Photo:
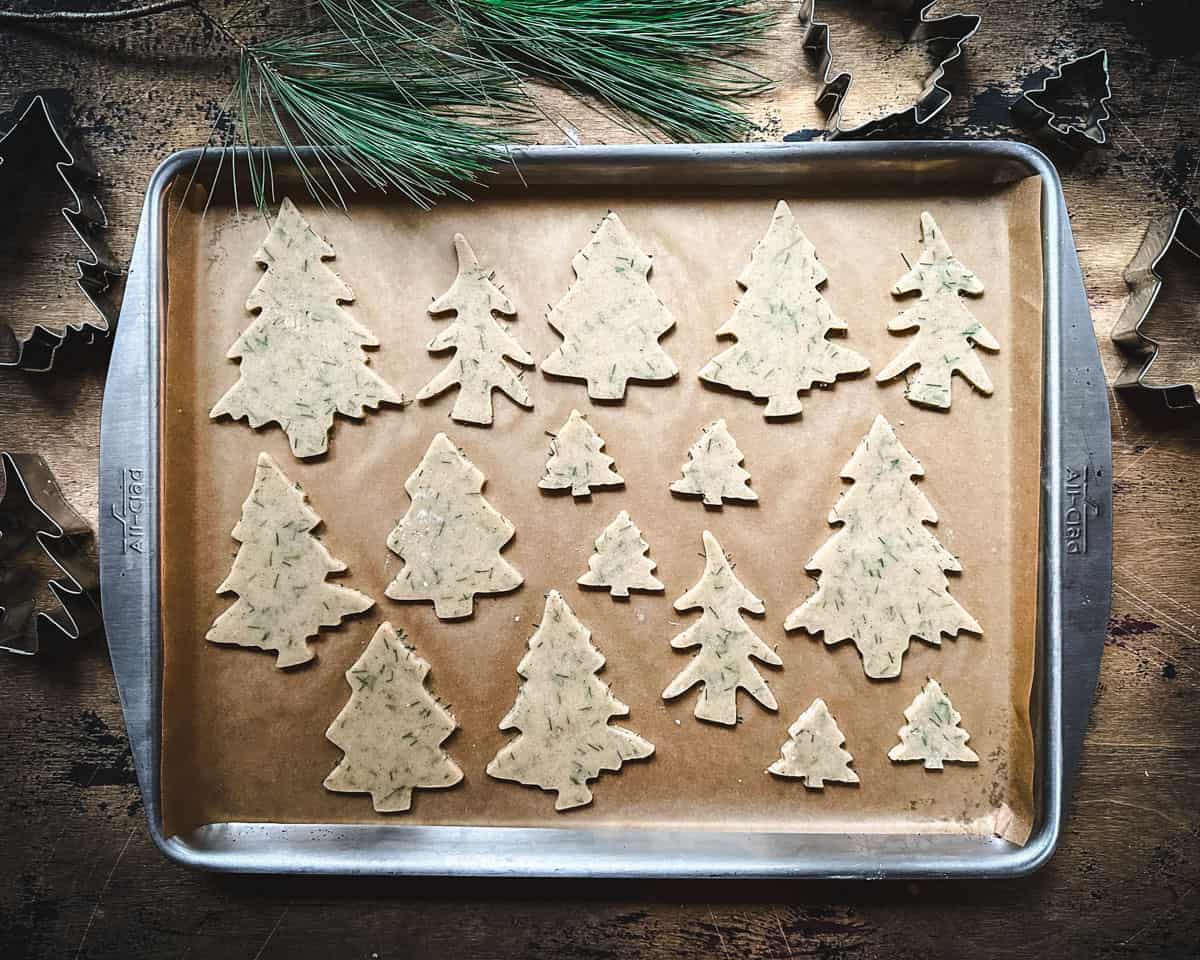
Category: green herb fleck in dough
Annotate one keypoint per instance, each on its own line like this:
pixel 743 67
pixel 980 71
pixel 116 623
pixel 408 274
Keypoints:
pixel 279 574
pixel 450 538
pixel 576 460
pixel 726 643
pixel 480 343
pixel 947 332
pixel 932 733
pixel 302 357
pixel 713 469
pixel 781 324
pixel 882 575
pixel 813 752
pixel 610 319
pixel 391 729
pixel 562 712
pixel 620 562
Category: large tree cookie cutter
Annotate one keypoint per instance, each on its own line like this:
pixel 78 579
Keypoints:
pixel 36 520
pixel 1035 109
pixel 1181 231
pixel 945 36
pixel 32 135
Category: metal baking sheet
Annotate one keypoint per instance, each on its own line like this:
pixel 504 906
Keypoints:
pixel 1073 581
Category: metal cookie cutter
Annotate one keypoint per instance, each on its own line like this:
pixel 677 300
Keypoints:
pixel 33 136
pixel 1084 79
pixel 1180 232
pixel 944 35
pixel 36 520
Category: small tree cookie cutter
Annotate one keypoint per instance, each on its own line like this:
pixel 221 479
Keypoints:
pixel 22 148
pixel 1182 231
pixel 1091 72
pixel 949 33
pixel 35 517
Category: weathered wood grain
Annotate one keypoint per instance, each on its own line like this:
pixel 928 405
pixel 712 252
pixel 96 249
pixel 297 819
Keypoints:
pixel 80 876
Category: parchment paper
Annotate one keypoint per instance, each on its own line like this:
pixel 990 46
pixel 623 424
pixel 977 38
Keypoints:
pixel 245 741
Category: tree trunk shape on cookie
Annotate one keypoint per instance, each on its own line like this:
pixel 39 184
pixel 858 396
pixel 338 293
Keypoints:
pixel 620 562
pixel 391 730
pixel 933 734
pixel 610 320
pixel 714 470
pixel 562 712
pixel 577 461
pixel 479 342
pixel 947 332
pixel 450 539
pixel 781 324
pixel 882 575
pixel 302 357
pixel 726 643
pixel 279 574
pixel 813 752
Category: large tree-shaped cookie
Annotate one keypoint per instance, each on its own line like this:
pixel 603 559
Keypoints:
pixel 726 643
pixel 562 712
pixel 620 562
pixel 479 341
pixel 883 574
pixel 714 471
pixel 610 320
pixel 782 324
pixel 279 574
pixel 302 358
pixel 451 537
pixel 577 460
pixel 947 332
pixel 933 734
pixel 813 752
pixel 391 730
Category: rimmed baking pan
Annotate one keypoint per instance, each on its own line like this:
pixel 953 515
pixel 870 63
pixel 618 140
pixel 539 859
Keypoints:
pixel 230 752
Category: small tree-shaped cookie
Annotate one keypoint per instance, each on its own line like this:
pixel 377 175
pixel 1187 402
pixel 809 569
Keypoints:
pixel 279 574
pixel 577 461
pixel 620 561
pixel 391 730
pixel 726 642
pixel 814 751
pixel 562 713
pixel 782 324
pixel 610 320
pixel 882 576
pixel 932 733
pixel 713 470
pixel 947 331
pixel 451 537
pixel 302 359
pixel 479 341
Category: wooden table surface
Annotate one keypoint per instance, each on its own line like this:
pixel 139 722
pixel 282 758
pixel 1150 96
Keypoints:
pixel 78 874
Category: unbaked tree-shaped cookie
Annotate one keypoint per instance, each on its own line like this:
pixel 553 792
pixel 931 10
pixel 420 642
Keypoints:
pixel 577 460
pixel 726 643
pixel 391 730
pixel 450 539
pixel 933 734
pixel 813 752
pixel 302 358
pixel 947 332
pixel 882 575
pixel 480 343
pixel 562 712
pixel 620 561
pixel 782 324
pixel 279 574
pixel 610 320
pixel 714 470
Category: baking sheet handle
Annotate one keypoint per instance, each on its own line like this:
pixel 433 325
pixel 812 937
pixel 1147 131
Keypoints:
pixel 129 508
pixel 1084 527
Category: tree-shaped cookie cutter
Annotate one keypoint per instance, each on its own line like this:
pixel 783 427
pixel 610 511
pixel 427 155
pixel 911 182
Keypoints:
pixel 1089 72
pixel 1179 231
pixel 35 517
pixel 24 147
pixel 946 34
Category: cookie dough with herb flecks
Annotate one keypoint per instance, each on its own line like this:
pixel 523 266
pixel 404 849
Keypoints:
pixel 813 753
pixel 714 470
pixel 577 461
pixel 620 561
pixel 933 734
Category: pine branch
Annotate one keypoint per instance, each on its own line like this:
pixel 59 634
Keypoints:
pixel 92 16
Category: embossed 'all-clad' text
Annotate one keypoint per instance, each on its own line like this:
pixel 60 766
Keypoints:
pixel 1075 515
pixel 130 513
